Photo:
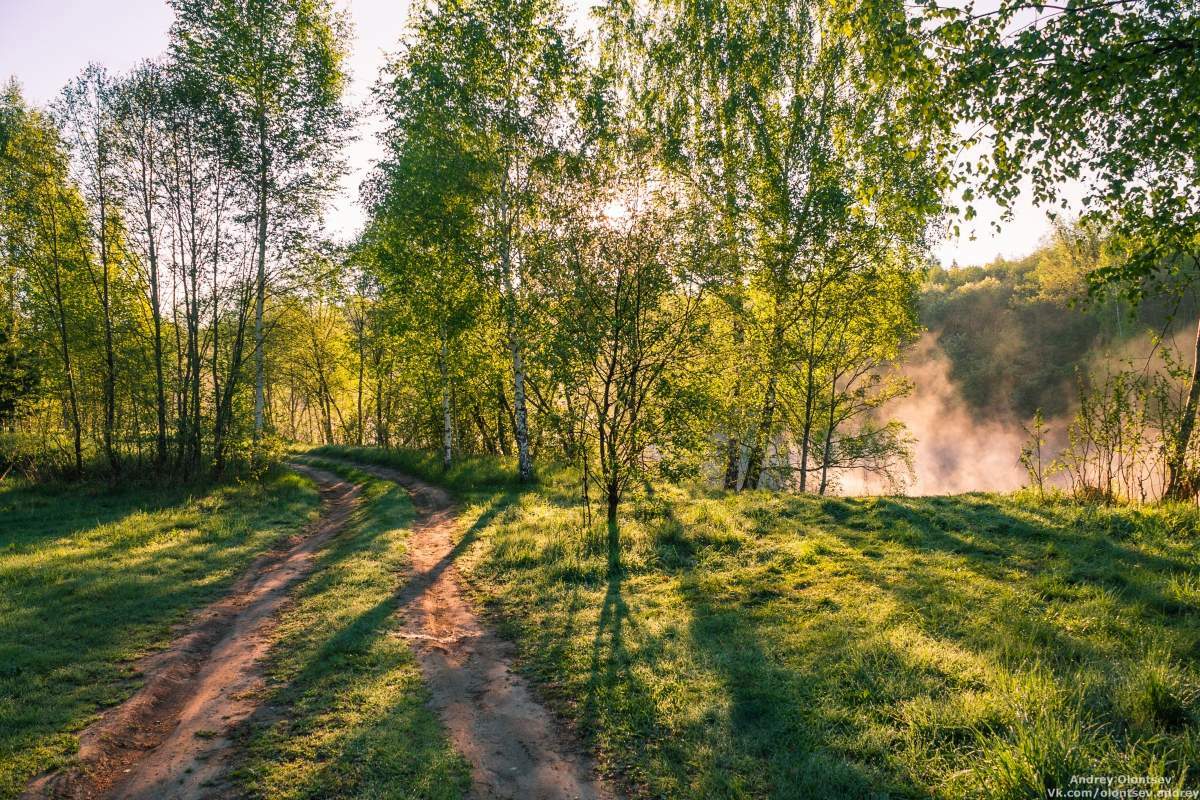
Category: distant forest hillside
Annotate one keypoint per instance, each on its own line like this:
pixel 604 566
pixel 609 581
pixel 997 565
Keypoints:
pixel 1016 331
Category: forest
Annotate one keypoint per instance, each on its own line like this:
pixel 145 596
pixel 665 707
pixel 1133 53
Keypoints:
pixel 641 381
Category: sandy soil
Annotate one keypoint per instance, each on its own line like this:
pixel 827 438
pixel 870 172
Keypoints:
pixel 516 748
pixel 172 739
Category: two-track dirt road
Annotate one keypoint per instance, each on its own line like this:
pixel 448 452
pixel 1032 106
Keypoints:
pixel 174 739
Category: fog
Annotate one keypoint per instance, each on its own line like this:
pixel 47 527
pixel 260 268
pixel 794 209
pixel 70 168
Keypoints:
pixel 954 449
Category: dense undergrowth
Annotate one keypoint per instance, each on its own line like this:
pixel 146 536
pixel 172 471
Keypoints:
pixel 766 645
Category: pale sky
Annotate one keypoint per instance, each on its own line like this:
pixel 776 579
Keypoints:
pixel 45 43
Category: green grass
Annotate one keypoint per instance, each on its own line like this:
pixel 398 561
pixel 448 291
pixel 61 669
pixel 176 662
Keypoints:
pixel 751 645
pixel 465 475
pixel 356 724
pixel 760 645
pixel 91 578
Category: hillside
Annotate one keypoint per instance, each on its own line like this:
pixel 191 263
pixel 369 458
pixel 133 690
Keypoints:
pixel 759 645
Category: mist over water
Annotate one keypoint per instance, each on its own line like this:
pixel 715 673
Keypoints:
pixel 955 449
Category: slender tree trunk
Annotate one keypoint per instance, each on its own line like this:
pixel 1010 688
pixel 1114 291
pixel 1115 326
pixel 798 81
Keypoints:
pixel 503 411
pixel 110 377
pixel 524 465
pixel 806 435
pixel 762 436
pixel 381 437
pixel 733 454
pixel 160 397
pixel 225 403
pixel 520 417
pixel 72 395
pixel 447 431
pixel 362 359
pixel 829 424
pixel 216 309
pixel 1179 486
pixel 260 283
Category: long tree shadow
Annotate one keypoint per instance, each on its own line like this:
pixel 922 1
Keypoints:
pixel 92 579
pixel 354 655
pixel 773 735
pixel 1061 562
pixel 610 660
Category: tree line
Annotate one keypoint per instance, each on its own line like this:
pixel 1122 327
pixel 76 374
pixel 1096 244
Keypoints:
pixel 690 243
pixel 149 220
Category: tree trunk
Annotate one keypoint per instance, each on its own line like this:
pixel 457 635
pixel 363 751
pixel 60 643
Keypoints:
pixel 520 417
pixel 362 358
pixel 447 431
pixel 1179 483
pixel 260 283
pixel 825 455
pixel 762 436
pixel 381 433
pixel 110 378
pixel 733 454
pixel 502 411
pixel 76 427
pixel 524 466
pixel 806 435
pixel 160 451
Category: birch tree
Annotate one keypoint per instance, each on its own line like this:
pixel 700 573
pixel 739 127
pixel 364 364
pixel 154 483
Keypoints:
pixel 276 68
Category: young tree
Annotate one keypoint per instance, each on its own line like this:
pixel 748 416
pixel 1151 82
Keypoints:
pixel 629 316
pixel 139 133
pixel 41 210
pixel 87 116
pixel 791 121
pixel 423 238
pixel 512 72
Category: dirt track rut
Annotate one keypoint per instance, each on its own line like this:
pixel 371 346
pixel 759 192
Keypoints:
pixel 516 748
pixel 172 739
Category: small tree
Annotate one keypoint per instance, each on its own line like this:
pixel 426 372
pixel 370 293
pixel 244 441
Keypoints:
pixel 1031 452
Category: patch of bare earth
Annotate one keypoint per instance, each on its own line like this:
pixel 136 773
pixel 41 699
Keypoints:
pixel 516 748
pixel 173 738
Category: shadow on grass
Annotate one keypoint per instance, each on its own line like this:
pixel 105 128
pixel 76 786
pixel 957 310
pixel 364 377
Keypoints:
pixel 353 705
pixel 92 579
pixel 815 668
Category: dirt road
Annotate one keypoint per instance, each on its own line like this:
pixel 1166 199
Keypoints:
pixel 171 740
pixel 516 748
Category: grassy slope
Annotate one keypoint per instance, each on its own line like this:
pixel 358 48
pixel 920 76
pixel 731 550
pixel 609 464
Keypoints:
pixel 92 578
pixel 763 645
pixel 356 722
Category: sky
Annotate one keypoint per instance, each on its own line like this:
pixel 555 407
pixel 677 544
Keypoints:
pixel 45 43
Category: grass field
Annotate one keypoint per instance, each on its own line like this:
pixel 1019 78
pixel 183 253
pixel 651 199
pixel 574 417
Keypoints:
pixel 355 722
pixel 777 646
pixel 93 577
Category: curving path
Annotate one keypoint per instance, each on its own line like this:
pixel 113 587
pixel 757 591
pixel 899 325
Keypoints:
pixel 516 748
pixel 172 740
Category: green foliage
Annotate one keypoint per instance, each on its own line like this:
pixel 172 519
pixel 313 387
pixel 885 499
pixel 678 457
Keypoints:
pixel 18 377
pixel 1104 93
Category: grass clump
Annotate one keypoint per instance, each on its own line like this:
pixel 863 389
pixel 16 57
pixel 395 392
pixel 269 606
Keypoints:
pixel 92 577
